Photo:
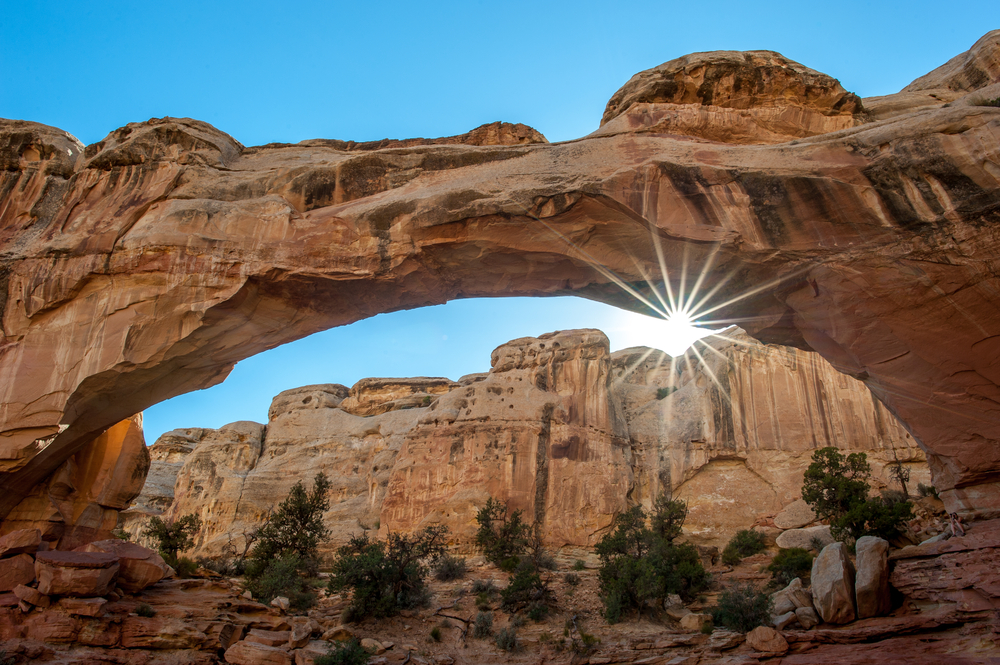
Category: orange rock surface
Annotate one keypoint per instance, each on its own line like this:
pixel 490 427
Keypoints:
pixel 147 264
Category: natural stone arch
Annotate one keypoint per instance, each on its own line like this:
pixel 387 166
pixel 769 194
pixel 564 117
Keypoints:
pixel 148 264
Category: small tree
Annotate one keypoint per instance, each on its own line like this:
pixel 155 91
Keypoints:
pixel 502 535
pixel 174 536
pixel 640 564
pixel 295 529
pixel 837 489
pixel 900 473
pixel 385 577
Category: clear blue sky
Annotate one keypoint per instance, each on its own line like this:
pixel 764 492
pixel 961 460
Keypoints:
pixel 267 71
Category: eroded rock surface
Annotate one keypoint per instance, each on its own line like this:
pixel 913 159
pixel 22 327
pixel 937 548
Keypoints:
pixel 147 264
pixel 560 428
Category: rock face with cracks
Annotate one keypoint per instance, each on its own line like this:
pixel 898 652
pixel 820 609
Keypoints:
pixel 560 428
pixel 147 264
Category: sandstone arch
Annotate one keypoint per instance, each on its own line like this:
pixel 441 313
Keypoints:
pixel 147 264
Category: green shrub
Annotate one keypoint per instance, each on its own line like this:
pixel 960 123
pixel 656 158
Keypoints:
pixel 836 487
pixel 484 586
pixel 789 564
pixel 172 537
pixel 183 566
pixel 448 568
pixel 572 579
pixel 506 639
pixel 345 653
pixel 436 634
pixel 502 535
pixel 145 610
pixel 662 393
pixel 579 564
pixel 386 577
pixel 538 611
pixel 927 490
pixel 282 578
pixel 743 607
pixel 483 627
pixel 640 564
pixel 982 101
pixel 294 531
pixel 745 543
pixel 525 587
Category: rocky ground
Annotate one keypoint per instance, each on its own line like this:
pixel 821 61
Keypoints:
pixel 206 619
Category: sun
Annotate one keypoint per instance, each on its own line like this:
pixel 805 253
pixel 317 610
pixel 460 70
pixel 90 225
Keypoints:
pixel 673 335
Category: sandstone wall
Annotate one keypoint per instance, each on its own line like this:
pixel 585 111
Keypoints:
pixel 560 428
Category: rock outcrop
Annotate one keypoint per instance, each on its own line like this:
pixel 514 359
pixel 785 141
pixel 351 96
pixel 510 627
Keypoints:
pixel 560 428
pixel 147 264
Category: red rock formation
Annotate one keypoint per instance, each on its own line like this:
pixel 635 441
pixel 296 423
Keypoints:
pixel 148 264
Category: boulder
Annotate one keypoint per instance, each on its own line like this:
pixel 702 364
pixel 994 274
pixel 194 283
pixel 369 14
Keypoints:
pixel 81 574
pixel 871 586
pixel 271 638
pixel 338 634
pixel 253 653
pixel 833 585
pixel 791 597
pixel 141 567
pixel 31 596
pixel 694 622
pixel 795 516
pixel 374 646
pixel 782 621
pixel 807 617
pixel 16 570
pixel 20 542
pixel 308 654
pixel 282 603
pixel 767 640
pixel 82 607
pixel 804 537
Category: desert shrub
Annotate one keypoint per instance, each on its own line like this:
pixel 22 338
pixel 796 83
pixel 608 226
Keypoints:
pixel 983 101
pixel 483 627
pixel 662 393
pixel 145 610
pixel 385 577
pixel 502 536
pixel 572 579
pixel 448 568
pixel 436 634
pixel 294 530
pixel 789 564
pixel 345 653
pixel 640 564
pixel 184 567
pixel 579 564
pixel 525 588
pixel 506 639
pixel 484 586
pixel 746 542
pixel 173 536
pixel 121 534
pixel 538 611
pixel 282 578
pixel 927 490
pixel 707 628
pixel 743 607
pixel 836 487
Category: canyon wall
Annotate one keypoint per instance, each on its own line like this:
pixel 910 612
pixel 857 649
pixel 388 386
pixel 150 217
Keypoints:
pixel 147 264
pixel 559 428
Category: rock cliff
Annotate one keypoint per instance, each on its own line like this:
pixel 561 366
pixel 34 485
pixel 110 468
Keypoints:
pixel 149 263
pixel 559 427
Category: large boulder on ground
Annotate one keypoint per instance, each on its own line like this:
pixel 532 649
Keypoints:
pixel 807 617
pixel 833 585
pixel 140 566
pixel 767 640
pixel 83 574
pixel 252 653
pixel 795 516
pixel 804 538
pixel 872 582
pixel 791 598
pixel 19 569
pixel 19 542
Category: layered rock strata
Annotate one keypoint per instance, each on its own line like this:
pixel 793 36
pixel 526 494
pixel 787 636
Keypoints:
pixel 147 264
pixel 559 427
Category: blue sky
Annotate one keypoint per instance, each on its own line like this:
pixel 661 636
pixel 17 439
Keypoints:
pixel 266 72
